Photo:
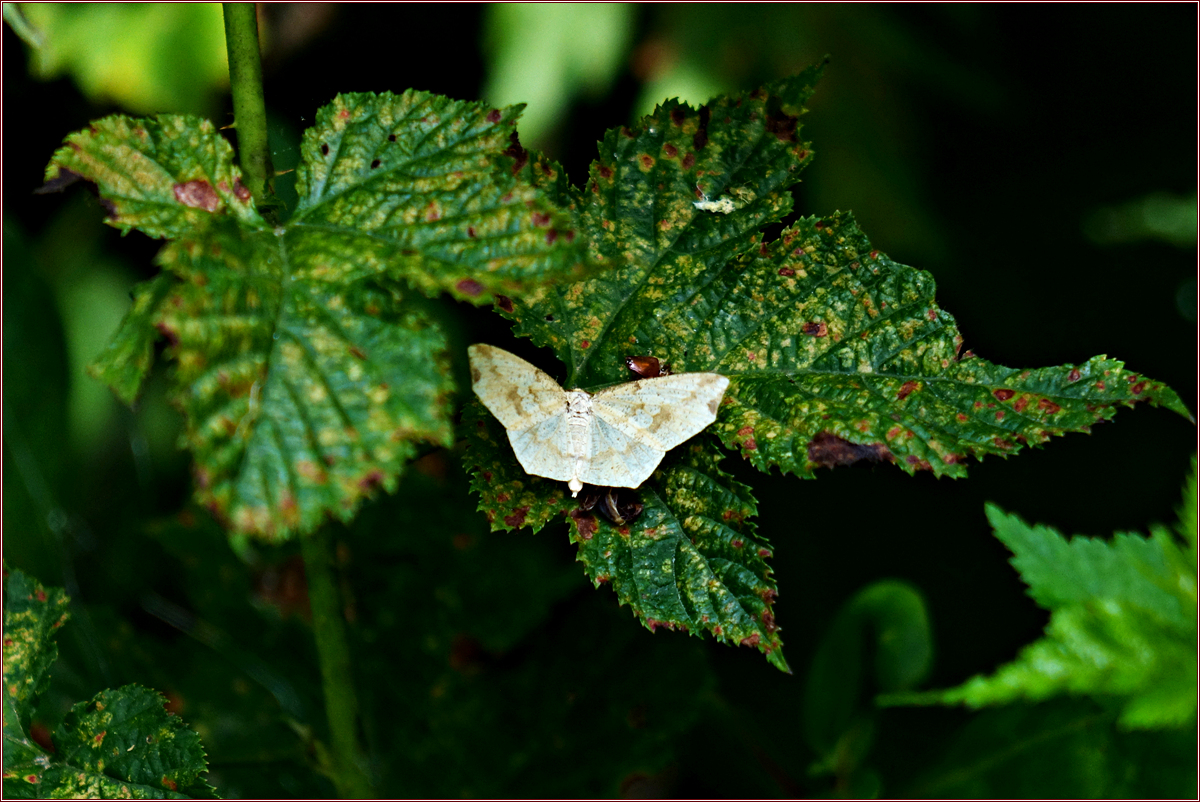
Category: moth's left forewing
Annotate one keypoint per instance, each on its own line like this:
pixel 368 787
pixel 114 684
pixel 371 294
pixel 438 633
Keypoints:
pixel 662 412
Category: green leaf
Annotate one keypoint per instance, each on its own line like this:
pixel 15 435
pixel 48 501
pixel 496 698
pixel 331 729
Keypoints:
pixel 163 175
pixel 126 360
pixel 122 744
pixel 1065 749
pixel 307 374
pixel 691 561
pixel 639 211
pixel 146 57
pixel 32 616
pixel 419 181
pixel 879 641
pixel 1122 626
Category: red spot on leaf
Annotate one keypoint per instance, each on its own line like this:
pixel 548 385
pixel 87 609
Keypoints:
pixel 1003 394
pixel 764 553
pixel 1048 406
pixel 469 286
pixel 551 236
pixel 41 595
pixel 501 498
pixel 737 544
pixel 541 219
pixel 670 150
pixel 647 160
pixel 169 784
pixel 516 518
pixel 999 414
pixel 605 171
pixel 1001 442
pixel 344 114
pixel 745 430
pixel 241 191
pixel 493 116
pixel 198 194
pixel 99 738
pixel 769 622
pixel 1100 385
pixel 961 417
pixel 504 302
pixel 786 271
pixel 814 328
pixel 752 640
pixel 585 344
pixel 905 390
pixel 1074 375
pixel 689 161
pixel 749 444
pixel 372 480
pixel 471 232
pixel 1137 388
pixel 518 153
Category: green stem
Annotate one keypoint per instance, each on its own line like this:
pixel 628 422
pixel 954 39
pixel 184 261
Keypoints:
pixel 249 107
pixel 349 770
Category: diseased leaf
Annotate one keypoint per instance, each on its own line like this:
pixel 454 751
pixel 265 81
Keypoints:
pixel 162 175
pixel 306 374
pixel 32 616
pixel 419 181
pixel 125 362
pixel 122 744
pixel 639 211
pixel 1122 626
pixel 691 560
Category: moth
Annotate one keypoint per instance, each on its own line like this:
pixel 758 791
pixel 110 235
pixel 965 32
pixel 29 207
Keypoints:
pixel 615 438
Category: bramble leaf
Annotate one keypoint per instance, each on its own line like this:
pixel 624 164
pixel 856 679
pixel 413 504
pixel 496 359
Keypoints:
pixel 691 560
pixel 121 744
pixel 307 373
pixel 834 352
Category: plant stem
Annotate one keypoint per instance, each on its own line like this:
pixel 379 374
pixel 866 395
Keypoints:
pixel 349 772
pixel 249 107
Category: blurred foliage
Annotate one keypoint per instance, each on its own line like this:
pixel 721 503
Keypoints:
pixel 547 55
pixel 146 57
pixel 957 150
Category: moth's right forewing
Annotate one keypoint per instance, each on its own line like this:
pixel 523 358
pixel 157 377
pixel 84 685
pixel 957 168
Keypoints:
pixel 516 392
pixel 663 411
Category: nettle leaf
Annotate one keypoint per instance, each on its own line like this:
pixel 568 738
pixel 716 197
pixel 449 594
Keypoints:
pixel 122 744
pixel 1122 625
pixel 306 371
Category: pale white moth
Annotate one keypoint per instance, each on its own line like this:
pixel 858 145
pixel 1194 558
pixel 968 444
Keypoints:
pixel 615 438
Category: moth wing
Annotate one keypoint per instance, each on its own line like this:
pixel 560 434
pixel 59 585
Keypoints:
pixel 618 460
pixel 543 449
pixel 516 392
pixel 664 411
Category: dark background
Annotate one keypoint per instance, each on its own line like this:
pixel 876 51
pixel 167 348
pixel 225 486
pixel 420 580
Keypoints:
pixel 974 142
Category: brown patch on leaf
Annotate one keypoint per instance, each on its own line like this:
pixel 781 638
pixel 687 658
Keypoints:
pixel 518 153
pixel 1049 407
pixel 469 286
pixel 504 302
pixel 198 194
pixel 814 328
pixel 516 518
pixel 906 389
pixel 1003 394
pixel 783 126
pixel 827 450
pixel 585 523
pixel 61 181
